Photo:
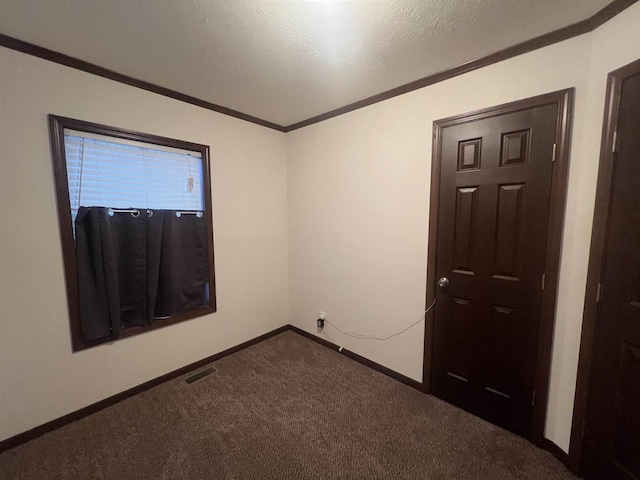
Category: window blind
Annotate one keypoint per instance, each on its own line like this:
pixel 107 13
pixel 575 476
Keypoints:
pixel 107 173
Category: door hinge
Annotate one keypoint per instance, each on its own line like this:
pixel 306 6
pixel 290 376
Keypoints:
pixel 599 293
pixel 544 279
pixel 533 399
pixel 555 148
pixel 614 143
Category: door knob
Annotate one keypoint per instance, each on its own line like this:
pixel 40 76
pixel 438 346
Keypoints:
pixel 443 282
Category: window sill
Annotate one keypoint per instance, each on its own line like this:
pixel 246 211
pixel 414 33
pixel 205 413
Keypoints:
pixel 81 344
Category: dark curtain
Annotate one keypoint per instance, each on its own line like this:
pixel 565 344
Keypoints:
pixel 133 269
pixel 184 267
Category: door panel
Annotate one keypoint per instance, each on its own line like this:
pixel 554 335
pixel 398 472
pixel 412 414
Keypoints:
pixel 508 231
pixel 501 369
pixel 463 329
pixel 612 435
pixel 466 218
pixel 495 186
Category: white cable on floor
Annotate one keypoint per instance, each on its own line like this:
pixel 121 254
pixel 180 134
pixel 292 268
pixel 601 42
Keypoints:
pixel 372 337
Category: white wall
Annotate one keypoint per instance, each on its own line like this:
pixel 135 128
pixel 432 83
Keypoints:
pixel 40 379
pixel 358 195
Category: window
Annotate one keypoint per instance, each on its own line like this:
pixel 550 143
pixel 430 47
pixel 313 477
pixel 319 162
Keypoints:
pixel 136 227
pixel 102 171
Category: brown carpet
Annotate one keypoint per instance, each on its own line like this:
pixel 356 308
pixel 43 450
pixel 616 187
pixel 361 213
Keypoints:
pixel 286 408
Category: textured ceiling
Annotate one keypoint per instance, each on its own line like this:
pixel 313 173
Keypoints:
pixel 284 60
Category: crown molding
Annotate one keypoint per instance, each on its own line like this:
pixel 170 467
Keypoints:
pixel 62 59
pixel 565 33
pixel 574 30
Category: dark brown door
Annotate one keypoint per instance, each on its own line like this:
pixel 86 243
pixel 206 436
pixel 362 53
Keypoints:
pixel 612 436
pixel 495 185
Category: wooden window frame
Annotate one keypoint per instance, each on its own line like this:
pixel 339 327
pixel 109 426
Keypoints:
pixel 57 126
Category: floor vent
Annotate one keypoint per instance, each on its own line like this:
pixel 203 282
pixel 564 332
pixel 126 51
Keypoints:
pixel 200 375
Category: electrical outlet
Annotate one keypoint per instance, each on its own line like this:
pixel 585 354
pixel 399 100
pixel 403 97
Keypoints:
pixel 321 318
